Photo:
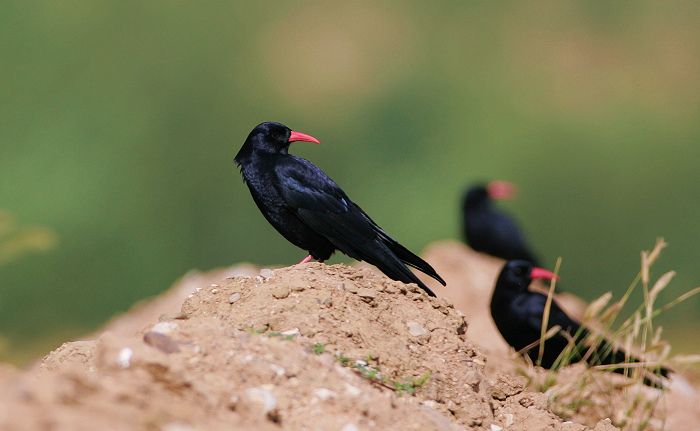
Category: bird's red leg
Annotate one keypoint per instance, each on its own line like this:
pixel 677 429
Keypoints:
pixel 308 258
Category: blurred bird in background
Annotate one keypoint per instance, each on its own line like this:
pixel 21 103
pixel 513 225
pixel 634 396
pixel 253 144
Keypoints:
pixel 490 230
pixel 518 314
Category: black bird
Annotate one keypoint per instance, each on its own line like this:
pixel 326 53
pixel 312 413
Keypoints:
pixel 312 212
pixel 489 230
pixel 518 314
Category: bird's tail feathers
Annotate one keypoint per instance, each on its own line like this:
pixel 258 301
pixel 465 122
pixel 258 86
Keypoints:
pixel 410 259
pixel 394 268
pixel 387 262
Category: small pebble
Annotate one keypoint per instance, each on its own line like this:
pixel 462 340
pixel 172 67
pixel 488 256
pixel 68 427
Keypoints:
pixel 298 285
pixel 430 403
pixel 292 371
pixel 164 327
pixel 235 297
pixel 294 331
pixel 415 329
pixel 350 427
pixel 280 291
pixel 124 358
pixel 173 316
pixel 161 342
pixel 267 273
pixel 324 394
pixel 278 370
pixel 177 426
pixel 350 287
pixel 366 293
pixel 259 399
pixel 352 390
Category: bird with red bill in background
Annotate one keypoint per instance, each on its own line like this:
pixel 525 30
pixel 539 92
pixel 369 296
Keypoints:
pixel 488 229
pixel 518 313
pixel 312 212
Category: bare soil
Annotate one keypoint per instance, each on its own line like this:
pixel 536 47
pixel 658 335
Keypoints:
pixel 311 347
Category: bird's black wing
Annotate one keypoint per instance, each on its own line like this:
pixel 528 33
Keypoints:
pixel 529 309
pixel 323 206
pixel 303 185
pixel 603 353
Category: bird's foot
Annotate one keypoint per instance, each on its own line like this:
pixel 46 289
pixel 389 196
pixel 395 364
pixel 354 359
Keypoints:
pixel 307 259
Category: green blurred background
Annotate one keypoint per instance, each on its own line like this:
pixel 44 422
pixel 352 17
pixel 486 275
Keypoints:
pixel 120 121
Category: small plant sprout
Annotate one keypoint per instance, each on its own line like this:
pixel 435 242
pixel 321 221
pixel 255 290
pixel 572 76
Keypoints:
pixel 373 374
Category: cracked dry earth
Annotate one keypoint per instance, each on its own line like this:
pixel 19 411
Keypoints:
pixel 307 347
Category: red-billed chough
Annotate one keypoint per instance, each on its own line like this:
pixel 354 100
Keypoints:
pixel 518 314
pixel 312 211
pixel 492 231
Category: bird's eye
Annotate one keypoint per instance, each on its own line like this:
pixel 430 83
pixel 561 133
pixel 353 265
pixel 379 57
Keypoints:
pixel 275 135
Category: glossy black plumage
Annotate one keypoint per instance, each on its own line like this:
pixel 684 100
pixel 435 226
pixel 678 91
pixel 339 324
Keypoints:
pixel 492 231
pixel 312 212
pixel 518 314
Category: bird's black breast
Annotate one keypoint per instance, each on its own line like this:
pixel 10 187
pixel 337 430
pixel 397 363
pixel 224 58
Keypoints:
pixel 268 191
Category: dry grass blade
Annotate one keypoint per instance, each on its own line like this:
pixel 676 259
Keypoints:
pixel 680 299
pixel 612 311
pixel 547 309
pixel 648 259
pixel 660 284
pixel 637 324
pixel 685 359
pixel 657 336
pixel 660 245
pixel 549 334
pixel 597 306
pixel 552 332
pixel 666 352
pixel 611 367
pixel 645 268
pixel 656 347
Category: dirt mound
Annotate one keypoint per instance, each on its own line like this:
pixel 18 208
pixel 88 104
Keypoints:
pixel 305 347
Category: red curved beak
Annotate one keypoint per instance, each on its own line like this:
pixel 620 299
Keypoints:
pixel 298 136
pixel 498 190
pixel 542 273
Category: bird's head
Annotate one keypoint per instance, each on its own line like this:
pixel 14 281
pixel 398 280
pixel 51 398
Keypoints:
pixel 480 195
pixel 517 275
pixel 475 194
pixel 271 138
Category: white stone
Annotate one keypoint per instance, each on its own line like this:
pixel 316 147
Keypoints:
pixel 415 329
pixel 324 394
pixel 267 273
pixel 124 358
pixel 262 397
pixel 164 327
